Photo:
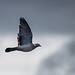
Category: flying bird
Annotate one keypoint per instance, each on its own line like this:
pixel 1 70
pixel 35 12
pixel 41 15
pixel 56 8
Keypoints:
pixel 24 38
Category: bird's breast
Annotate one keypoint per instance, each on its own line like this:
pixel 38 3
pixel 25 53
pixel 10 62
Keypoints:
pixel 26 48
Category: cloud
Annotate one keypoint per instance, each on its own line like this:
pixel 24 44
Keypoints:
pixel 60 63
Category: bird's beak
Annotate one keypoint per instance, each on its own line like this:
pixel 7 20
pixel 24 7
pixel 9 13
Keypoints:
pixel 40 45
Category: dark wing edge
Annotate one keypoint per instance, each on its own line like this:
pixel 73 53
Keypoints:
pixel 25 34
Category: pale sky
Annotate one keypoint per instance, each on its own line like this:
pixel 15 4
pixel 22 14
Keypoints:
pixel 21 63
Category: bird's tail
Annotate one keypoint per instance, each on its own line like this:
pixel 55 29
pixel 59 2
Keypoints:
pixel 10 49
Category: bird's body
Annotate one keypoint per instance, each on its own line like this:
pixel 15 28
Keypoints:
pixel 26 48
pixel 24 38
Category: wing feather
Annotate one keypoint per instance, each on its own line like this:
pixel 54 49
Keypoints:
pixel 25 34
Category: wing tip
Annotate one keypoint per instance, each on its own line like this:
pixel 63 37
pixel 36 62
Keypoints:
pixel 22 18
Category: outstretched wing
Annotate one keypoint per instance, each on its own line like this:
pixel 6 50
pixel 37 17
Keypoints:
pixel 25 34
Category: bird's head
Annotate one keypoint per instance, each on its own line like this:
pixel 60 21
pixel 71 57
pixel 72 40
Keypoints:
pixel 37 45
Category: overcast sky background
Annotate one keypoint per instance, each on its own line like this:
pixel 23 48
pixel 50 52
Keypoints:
pixel 44 16
pixel 48 20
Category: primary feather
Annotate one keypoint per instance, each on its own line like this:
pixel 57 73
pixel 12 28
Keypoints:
pixel 25 34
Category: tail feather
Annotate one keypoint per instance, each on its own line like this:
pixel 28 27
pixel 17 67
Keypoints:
pixel 9 49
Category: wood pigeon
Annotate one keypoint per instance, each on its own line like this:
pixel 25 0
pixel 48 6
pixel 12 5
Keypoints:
pixel 24 38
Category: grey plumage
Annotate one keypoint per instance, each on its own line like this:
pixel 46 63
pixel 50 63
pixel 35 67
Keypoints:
pixel 25 34
pixel 24 38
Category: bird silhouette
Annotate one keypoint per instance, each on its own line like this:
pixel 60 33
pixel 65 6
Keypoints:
pixel 24 38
